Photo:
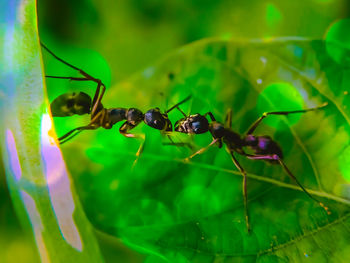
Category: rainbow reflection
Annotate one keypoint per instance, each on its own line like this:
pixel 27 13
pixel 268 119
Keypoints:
pixel 37 224
pixel 15 165
pixel 59 185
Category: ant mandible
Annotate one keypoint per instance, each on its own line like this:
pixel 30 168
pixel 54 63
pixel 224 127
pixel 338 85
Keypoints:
pixel 264 147
pixel 80 103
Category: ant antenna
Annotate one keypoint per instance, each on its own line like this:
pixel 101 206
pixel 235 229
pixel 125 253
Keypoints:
pixel 178 104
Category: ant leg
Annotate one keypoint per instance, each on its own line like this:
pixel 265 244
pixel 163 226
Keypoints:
pixel 96 102
pixel 228 120
pixel 244 186
pixel 140 149
pixel 64 138
pixel 184 114
pixel 59 59
pixel 82 72
pixel 124 130
pixel 265 114
pixel 210 115
pixel 91 126
pixel 202 150
pixel 178 104
pixel 213 119
pixel 71 137
pixel 98 97
pixel 179 144
pixel 70 78
pixel 285 168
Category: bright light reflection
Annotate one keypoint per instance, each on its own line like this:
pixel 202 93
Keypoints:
pixel 36 222
pixel 15 165
pixel 59 184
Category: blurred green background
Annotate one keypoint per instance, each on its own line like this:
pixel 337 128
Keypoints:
pixel 125 36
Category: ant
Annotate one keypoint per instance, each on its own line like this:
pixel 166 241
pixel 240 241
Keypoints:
pixel 264 147
pixel 80 103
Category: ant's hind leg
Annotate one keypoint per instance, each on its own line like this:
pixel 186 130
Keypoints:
pixel 285 168
pixel 265 114
pixel 244 186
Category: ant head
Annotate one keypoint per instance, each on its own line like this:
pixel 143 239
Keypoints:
pixel 157 120
pixel 196 124
pixel 199 123
pixel 179 125
pixel 69 104
pixel 217 130
pixel 134 116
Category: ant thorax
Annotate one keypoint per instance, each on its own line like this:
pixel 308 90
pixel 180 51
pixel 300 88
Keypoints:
pixel 217 130
pixel 193 124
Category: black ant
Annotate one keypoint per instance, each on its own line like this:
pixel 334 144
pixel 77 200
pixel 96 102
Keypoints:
pixel 80 103
pixel 264 147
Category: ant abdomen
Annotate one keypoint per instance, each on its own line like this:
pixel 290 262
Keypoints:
pixel 264 145
pixel 69 104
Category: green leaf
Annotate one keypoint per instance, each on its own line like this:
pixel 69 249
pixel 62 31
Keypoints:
pixel 194 211
pixel 40 186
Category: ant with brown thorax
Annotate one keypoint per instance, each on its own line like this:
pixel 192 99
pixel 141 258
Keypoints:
pixel 263 147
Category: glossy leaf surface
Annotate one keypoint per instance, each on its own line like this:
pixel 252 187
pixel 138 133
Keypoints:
pixel 194 211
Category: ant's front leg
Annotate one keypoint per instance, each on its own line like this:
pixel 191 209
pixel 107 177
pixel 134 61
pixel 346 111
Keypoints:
pixel 204 149
pixel 94 124
pixel 275 157
pixel 265 114
pixel 178 144
pixel 124 130
pixel 210 115
pixel 69 135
